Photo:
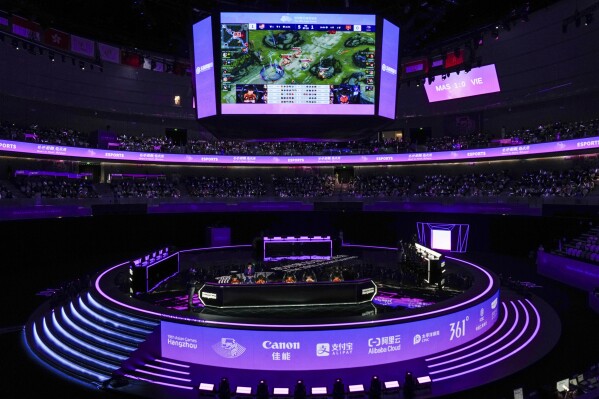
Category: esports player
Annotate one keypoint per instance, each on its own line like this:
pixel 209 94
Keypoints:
pixel 192 286
pixel 261 279
pixel 249 96
pixel 224 389
pixel 336 276
pixel 234 279
pixel 309 277
pixel 289 278
pixel 248 273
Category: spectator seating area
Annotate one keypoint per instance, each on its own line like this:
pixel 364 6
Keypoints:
pixel 143 186
pixel 139 142
pixel 225 187
pixel 584 247
pixel 379 186
pixel 44 135
pixel 304 186
pixel 578 181
pixel 54 184
pixel 5 192
pixel 561 183
pixel 464 185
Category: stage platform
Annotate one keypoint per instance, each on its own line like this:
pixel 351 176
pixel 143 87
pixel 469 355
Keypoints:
pixel 154 346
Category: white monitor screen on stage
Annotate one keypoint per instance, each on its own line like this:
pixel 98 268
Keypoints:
pixel 563 385
pixel 441 239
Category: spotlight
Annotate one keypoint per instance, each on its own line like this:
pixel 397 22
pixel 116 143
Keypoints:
pixel 224 389
pixel 51 56
pixel 409 385
pixel 588 19
pixel 338 389
pixel 300 390
pixel 375 390
pixel 82 65
pixel 15 44
pixel 262 390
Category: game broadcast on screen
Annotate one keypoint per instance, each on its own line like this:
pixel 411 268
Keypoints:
pixel 290 63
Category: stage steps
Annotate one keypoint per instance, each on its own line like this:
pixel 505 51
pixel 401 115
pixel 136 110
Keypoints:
pixel 161 372
pixel 85 338
pixel 518 324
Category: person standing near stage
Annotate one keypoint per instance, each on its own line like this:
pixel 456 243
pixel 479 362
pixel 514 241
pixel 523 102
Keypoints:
pixel 249 272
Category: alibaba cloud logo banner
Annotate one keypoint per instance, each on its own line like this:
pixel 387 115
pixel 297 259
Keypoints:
pixel 228 348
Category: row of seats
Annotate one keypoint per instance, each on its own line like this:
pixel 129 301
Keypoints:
pixel 586 255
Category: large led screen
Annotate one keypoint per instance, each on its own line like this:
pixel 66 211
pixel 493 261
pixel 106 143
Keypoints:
pixel 282 63
pixel 389 62
pixel 478 81
pixel 326 349
pixel 203 58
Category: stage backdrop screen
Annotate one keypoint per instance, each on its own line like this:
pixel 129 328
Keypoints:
pixel 478 81
pixel 389 62
pixel 203 58
pixel 282 63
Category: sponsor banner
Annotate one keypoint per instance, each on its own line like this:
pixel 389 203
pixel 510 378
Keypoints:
pixel 325 349
pixel 58 39
pixel 83 46
pixel 470 155
pixel 158 66
pixel 3 20
pixel 109 53
pixel 26 28
pixel 131 59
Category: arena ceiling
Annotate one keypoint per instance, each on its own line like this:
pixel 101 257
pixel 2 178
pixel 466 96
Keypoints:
pixel 163 26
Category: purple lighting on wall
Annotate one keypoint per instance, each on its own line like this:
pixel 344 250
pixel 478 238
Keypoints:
pixel 587 143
